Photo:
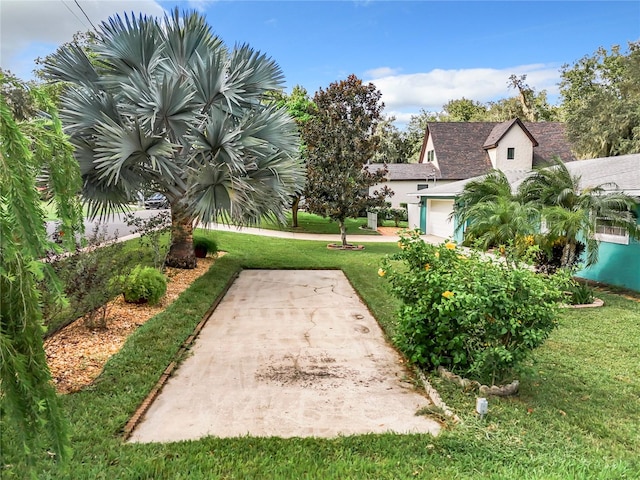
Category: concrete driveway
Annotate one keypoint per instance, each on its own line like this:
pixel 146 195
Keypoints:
pixel 287 353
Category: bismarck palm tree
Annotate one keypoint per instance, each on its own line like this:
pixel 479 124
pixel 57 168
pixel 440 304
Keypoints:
pixel 163 104
pixel 571 211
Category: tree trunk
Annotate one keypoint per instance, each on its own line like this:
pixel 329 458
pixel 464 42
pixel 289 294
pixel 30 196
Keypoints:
pixel 568 254
pixel 181 254
pixel 343 232
pixel 294 212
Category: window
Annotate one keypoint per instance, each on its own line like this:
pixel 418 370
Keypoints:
pixel 422 186
pixel 607 232
pixel 431 155
pixel 511 153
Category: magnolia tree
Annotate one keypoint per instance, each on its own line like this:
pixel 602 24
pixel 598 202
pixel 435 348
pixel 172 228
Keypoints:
pixel 340 140
pixel 164 105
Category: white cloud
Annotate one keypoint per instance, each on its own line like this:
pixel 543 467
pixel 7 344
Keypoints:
pixel 382 72
pixel 32 28
pixel 405 95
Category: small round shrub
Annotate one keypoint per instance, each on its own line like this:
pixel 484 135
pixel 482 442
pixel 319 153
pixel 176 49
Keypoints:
pixel 204 244
pixel 144 285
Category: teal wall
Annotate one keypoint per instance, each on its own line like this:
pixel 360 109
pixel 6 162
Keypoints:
pixel 617 265
pixel 423 215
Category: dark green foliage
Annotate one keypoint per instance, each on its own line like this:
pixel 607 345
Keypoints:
pixel 205 243
pixel 340 140
pixel 601 102
pixel 88 282
pixel 28 403
pixel 475 316
pixel 144 285
pixel 581 293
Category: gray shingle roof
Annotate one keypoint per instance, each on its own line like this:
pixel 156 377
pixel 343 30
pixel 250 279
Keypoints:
pixel 621 173
pixel 408 171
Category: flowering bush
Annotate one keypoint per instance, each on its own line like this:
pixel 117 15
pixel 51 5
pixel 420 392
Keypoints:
pixel 477 316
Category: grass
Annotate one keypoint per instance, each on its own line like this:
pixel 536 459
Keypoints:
pixel 577 415
pixel 310 223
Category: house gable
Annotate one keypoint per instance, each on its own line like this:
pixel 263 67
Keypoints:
pixel 510 146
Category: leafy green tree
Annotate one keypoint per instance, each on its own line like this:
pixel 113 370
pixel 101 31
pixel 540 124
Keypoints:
pixel 28 401
pixel 464 110
pixel 490 187
pixel 534 106
pixel 393 146
pixel 571 212
pixel 302 109
pixel 340 141
pixel 493 215
pixel 601 102
pixel 415 131
pixel 164 105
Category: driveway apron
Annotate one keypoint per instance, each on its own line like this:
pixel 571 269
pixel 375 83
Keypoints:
pixel 287 353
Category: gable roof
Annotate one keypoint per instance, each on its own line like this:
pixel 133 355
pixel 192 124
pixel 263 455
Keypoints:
pixel 461 146
pixel 501 129
pixel 458 147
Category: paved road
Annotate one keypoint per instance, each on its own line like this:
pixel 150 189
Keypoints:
pixel 115 226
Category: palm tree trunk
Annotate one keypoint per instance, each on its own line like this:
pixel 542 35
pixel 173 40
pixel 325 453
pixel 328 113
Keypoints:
pixel 181 254
pixel 343 232
pixel 568 254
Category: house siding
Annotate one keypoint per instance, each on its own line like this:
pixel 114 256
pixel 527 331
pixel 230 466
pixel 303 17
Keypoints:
pixel 514 138
pixel 617 265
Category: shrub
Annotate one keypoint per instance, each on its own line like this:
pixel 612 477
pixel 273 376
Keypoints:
pixel 581 293
pixel 144 285
pixel 87 279
pixel 151 230
pixel 204 244
pixel 549 259
pixel 479 317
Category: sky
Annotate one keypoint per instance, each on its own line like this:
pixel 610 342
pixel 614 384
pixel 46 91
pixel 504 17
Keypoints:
pixel 419 54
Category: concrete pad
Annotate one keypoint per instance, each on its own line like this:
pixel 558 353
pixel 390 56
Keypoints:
pixel 287 353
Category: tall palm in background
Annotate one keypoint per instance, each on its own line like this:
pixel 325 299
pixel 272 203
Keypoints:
pixel 164 105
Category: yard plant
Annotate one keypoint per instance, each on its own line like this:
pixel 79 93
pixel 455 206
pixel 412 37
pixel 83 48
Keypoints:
pixel 477 316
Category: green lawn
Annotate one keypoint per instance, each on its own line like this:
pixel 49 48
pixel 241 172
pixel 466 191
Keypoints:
pixel 577 416
pixel 310 223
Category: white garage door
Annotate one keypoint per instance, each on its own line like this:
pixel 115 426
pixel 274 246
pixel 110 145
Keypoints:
pixel 438 222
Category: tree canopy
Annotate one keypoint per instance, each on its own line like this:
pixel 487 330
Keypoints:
pixel 601 102
pixel 340 141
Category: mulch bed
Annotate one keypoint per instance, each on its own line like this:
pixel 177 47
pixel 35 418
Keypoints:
pixel 76 354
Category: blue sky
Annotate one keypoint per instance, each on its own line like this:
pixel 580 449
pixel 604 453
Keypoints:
pixel 419 54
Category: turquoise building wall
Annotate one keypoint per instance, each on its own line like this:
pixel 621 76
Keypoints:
pixel 617 265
